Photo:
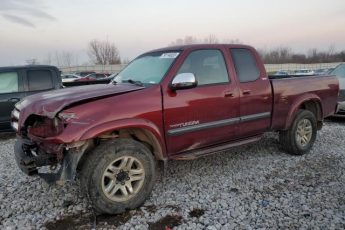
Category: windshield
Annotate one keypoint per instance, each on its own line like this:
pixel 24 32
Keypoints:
pixel 149 68
pixel 339 71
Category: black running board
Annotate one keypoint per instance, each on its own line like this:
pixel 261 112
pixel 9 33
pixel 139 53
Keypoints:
pixel 190 155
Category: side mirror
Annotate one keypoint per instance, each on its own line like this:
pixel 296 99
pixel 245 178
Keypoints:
pixel 184 81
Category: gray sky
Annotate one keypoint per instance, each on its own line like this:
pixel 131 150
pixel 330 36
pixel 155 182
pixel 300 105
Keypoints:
pixel 35 28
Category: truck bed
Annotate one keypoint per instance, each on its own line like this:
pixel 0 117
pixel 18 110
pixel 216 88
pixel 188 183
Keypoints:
pixel 288 91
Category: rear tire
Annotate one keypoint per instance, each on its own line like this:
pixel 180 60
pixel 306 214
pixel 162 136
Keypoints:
pixel 301 135
pixel 118 175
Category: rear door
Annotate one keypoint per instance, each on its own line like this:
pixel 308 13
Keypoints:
pixel 255 92
pixel 11 91
pixel 205 115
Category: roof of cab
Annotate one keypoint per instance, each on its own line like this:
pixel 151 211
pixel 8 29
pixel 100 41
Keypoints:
pixel 198 46
pixel 28 67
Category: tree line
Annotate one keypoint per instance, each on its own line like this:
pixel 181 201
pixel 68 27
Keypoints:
pixel 282 55
pixel 99 52
pixel 279 55
pixel 106 53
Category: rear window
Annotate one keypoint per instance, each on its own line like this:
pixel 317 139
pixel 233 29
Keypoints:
pixel 9 82
pixel 245 65
pixel 39 80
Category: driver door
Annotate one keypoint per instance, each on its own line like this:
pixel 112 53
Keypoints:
pixel 207 114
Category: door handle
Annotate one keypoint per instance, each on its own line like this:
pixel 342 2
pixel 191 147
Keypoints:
pixel 14 100
pixel 246 92
pixel 228 94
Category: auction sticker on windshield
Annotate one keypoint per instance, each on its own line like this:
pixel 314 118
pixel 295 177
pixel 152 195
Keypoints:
pixel 169 55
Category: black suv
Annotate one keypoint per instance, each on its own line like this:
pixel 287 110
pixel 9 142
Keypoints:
pixel 17 82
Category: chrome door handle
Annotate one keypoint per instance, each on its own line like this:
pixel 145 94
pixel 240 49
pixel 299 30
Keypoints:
pixel 228 94
pixel 246 92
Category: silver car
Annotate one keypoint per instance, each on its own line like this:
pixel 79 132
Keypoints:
pixel 339 71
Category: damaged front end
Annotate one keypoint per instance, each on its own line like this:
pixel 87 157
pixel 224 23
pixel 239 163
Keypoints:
pixel 36 146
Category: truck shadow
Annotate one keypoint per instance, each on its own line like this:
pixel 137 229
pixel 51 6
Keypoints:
pixel 89 221
pixel 336 120
pixel 7 136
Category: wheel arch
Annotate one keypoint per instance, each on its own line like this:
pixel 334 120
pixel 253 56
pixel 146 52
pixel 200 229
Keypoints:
pixel 138 129
pixel 311 103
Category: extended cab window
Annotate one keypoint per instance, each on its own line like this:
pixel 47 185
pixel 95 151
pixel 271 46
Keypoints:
pixel 9 82
pixel 208 66
pixel 39 80
pixel 245 65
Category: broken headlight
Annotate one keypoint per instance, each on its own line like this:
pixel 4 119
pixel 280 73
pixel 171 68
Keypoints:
pixel 46 127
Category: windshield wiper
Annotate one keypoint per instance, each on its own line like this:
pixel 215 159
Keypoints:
pixel 138 83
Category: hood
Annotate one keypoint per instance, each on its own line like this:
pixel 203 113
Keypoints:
pixel 52 102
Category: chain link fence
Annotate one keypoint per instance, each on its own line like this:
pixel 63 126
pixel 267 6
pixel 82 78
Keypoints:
pixel 96 68
pixel 270 68
pixel 291 67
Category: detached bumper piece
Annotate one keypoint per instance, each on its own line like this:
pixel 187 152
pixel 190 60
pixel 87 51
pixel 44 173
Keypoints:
pixel 29 158
pixel 25 161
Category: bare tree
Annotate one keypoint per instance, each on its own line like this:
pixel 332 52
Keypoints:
pixel 48 60
pixel 57 59
pixel 187 40
pixel 211 39
pixel 330 53
pixel 232 41
pixel 67 58
pixel 125 61
pixel 32 61
pixel 177 42
pixel 103 53
pixel 286 55
pixel 63 58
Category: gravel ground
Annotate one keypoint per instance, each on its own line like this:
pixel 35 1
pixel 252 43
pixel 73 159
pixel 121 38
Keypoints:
pixel 254 186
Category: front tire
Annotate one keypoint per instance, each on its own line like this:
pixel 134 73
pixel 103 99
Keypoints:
pixel 301 135
pixel 118 175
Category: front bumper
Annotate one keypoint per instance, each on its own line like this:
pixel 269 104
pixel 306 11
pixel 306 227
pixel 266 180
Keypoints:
pixel 340 111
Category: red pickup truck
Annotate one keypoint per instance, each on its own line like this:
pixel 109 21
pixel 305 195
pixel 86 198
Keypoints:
pixel 171 103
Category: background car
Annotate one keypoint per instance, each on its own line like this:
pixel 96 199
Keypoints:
pixel 84 73
pixel 17 82
pixel 339 71
pixel 281 73
pixel 322 71
pixel 101 75
pixel 69 77
pixel 304 72
pixel 93 77
pixel 111 77
pixel 89 77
